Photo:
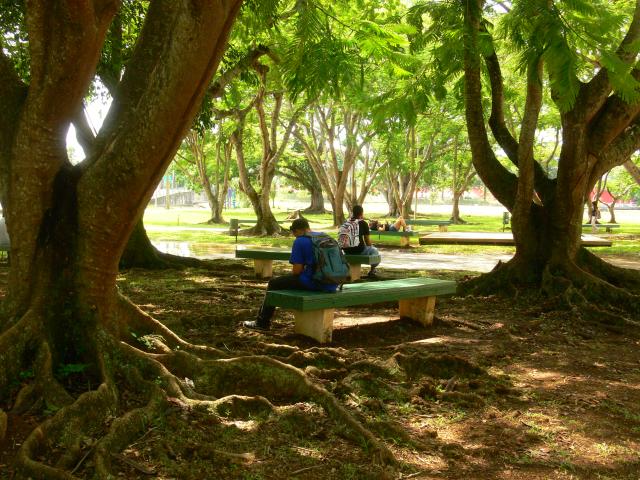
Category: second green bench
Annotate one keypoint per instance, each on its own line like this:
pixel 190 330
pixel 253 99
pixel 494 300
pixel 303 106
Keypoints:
pixel 264 257
pixel 607 226
pixel 442 224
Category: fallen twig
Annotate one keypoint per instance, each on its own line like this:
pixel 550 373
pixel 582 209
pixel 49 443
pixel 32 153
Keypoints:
pixel 305 469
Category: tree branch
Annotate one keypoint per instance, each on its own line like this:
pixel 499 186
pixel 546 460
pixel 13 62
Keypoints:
pixel 65 39
pixel 217 87
pixel 618 152
pixel 500 181
pixel 177 53
pixel 633 170
pixel 593 94
pixel 501 133
pixel 84 133
pixel 613 118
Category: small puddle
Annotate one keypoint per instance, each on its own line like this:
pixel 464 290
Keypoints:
pixel 197 250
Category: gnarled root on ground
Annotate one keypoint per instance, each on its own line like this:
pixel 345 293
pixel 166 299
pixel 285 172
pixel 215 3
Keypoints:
pixel 135 386
pixel 591 297
pixel 592 288
pixel 505 278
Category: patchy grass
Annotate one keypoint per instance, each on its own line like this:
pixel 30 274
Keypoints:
pixel 189 225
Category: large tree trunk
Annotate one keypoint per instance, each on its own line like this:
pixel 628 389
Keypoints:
pixel 140 253
pixel 317 199
pixel 612 212
pixel 69 226
pixel 455 210
pixel 547 233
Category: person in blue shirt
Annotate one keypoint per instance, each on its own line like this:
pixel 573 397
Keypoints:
pixel 301 278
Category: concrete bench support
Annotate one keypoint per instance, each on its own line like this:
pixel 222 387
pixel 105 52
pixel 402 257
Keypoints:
pixel 263 268
pixel 420 310
pixel 317 324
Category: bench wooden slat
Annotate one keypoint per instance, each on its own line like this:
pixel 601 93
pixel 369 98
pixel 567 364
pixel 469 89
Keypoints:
pixel 393 233
pixel 424 222
pixel 607 226
pixel 361 294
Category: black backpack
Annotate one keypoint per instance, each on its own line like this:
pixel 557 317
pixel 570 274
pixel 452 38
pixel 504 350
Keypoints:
pixel 330 264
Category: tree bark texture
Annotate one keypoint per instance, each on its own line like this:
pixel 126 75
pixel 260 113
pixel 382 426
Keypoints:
pixel 69 224
pixel 598 132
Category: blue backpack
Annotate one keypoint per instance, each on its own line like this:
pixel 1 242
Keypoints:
pixel 330 264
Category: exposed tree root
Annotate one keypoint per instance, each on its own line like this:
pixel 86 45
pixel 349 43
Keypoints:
pixel 138 386
pixel 501 279
pixel 591 297
pixel 266 376
pixel 593 289
pixel 133 320
pixel 45 389
pixel 626 278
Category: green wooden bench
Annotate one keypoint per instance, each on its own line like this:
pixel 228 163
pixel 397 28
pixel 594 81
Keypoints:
pixel 404 236
pixel 314 311
pixel 264 257
pixel 607 226
pixel 442 224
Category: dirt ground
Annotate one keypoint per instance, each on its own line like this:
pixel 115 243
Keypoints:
pixel 497 388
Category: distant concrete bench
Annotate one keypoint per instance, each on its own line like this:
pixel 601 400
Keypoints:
pixel 404 236
pixel 442 224
pixel 607 226
pixel 5 244
pixel 314 311
pixel 494 238
pixel 263 260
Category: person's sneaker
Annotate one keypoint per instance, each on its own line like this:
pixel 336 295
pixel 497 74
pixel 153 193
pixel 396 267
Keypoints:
pixel 253 325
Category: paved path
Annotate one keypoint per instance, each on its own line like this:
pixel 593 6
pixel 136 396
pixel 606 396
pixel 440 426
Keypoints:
pixel 396 259
pixel 391 258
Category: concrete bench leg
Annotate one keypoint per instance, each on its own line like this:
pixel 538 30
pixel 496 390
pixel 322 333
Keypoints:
pixel 443 228
pixel 263 268
pixel 317 324
pixel 419 309
pixel 404 241
pixel 355 272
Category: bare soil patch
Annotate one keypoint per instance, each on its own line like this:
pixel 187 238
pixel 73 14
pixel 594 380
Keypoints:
pixel 497 388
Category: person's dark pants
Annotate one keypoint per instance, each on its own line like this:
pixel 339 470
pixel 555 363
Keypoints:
pixel 285 282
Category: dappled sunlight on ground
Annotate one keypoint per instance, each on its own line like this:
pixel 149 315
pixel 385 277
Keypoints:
pixel 492 390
